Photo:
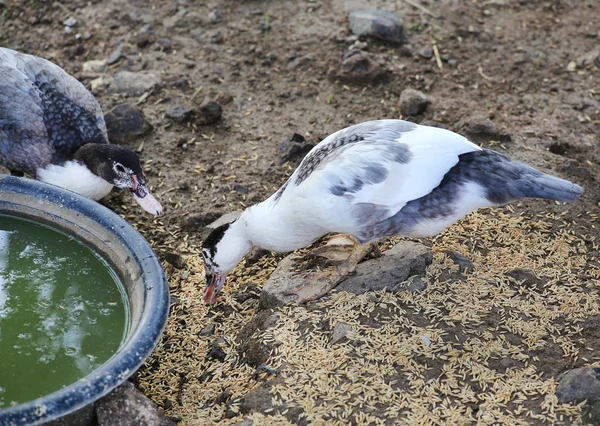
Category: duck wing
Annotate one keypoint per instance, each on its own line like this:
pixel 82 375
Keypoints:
pixel 53 99
pixel 366 173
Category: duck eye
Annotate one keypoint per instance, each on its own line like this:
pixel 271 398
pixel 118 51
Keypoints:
pixel 120 168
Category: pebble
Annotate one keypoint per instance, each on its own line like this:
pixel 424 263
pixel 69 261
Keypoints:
pixel 464 264
pixel 94 66
pixel 179 113
pixel 135 83
pixel 376 23
pixel 359 66
pixel 413 102
pixel 209 113
pixel 426 52
pixel 216 351
pixel 339 332
pixel 115 55
pixel 70 22
pixel 293 147
pixel 176 260
pixel 125 123
pixel 480 129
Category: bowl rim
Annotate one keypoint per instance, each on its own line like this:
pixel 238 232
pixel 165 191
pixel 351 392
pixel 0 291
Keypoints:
pixel 141 341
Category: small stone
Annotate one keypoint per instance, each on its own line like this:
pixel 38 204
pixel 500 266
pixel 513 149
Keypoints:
pixel 240 188
pixel 94 66
pixel 426 341
pixel 176 260
pixel 209 330
pixel 179 113
pixel 359 66
pixel 216 351
pixel 100 83
pixel 426 52
pixel 339 332
pixel 223 99
pixel 128 406
pixel 525 277
pixel 125 123
pixel 415 284
pixel 578 385
pixel 480 129
pixel 144 39
pixel 464 264
pixel 293 147
pixel 70 22
pixel 209 113
pixel 135 83
pixel 376 23
pixel 413 102
pixel 226 218
pixel 572 66
pixel 115 56
pixel 199 221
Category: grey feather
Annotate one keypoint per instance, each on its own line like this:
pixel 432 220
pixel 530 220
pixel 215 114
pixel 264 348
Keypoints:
pixel 370 132
pixel 45 114
pixel 503 181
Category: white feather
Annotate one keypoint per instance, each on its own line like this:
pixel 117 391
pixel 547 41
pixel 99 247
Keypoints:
pixel 76 177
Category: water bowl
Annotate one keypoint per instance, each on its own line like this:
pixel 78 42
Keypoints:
pixel 130 260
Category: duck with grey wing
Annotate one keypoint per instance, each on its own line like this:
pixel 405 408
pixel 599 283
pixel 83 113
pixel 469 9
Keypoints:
pixel 373 180
pixel 52 128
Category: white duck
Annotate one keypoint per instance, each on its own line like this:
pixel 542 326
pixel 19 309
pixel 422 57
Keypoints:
pixel 373 180
pixel 53 129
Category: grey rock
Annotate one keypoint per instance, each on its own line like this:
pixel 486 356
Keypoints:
pixel 125 123
pixel 209 330
pixel 216 351
pixel 339 332
pixel 360 67
pixel 481 129
pixel 578 385
pixel 389 271
pixel 128 406
pixel 209 112
pixel 426 52
pixel 226 218
pixel 415 284
pixel 293 147
pixel 70 22
pixel 94 66
pixel 135 83
pixel 464 264
pixel 179 113
pixel 525 277
pixel 176 260
pixel 115 55
pixel 376 23
pixel 245 422
pixel 413 102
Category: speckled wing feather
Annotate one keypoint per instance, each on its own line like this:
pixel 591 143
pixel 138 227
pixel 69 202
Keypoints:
pixel 53 100
pixel 370 171
pixel 23 136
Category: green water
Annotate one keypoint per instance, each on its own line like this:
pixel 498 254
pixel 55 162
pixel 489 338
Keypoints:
pixel 63 311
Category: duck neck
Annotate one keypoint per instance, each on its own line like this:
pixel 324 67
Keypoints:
pixel 274 226
pixel 75 176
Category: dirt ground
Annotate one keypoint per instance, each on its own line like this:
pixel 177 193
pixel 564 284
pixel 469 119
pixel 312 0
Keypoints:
pixel 531 67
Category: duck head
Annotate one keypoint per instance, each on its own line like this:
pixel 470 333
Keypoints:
pixel 224 248
pixel 119 166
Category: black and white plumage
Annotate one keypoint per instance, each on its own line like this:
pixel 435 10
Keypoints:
pixel 52 128
pixel 378 179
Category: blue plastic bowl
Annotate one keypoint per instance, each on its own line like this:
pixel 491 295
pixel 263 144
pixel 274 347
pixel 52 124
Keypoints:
pixel 135 263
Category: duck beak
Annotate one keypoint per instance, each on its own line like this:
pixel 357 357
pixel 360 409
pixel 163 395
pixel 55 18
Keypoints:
pixel 144 198
pixel 214 284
